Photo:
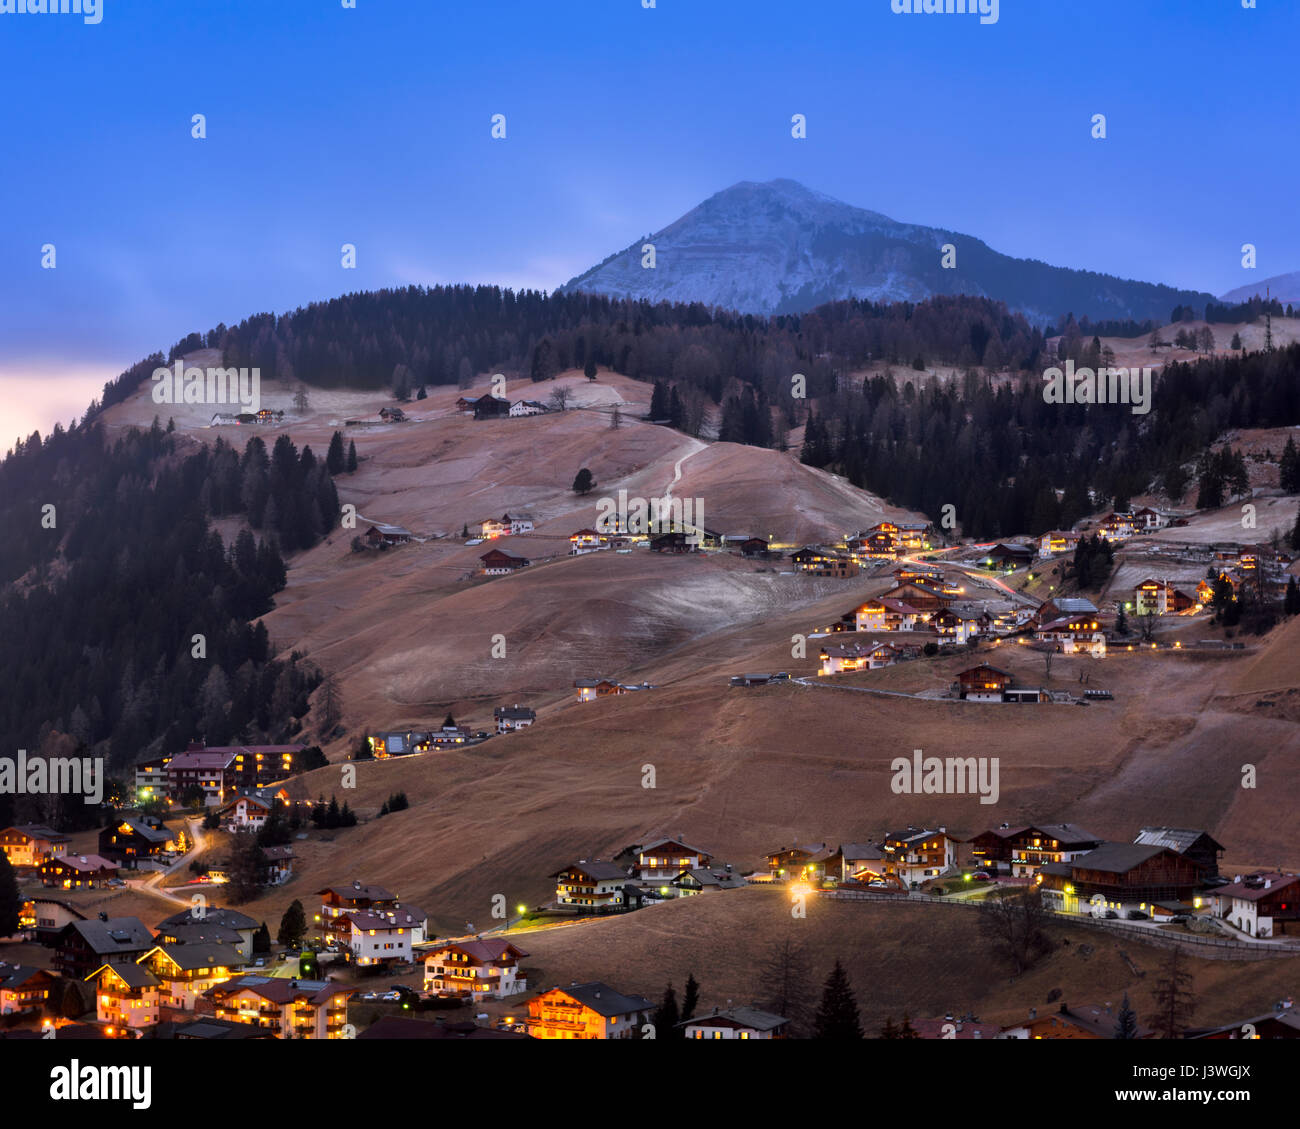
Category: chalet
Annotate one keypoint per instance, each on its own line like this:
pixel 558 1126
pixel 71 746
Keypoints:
pixel 915 854
pixel 958 625
pixel 217 926
pixel 395 743
pixel 254 766
pixel 1205 589
pixel 1092 1021
pixel 267 416
pixel 590 885
pixel 664 859
pixel 527 408
pixel 126 995
pixel 1147 519
pixel 399 1027
pixel 705 880
pixel 381 534
pixel 1159 597
pixel 45 918
pixel 885 615
pixel 134 839
pixel 587 1011
pixel 989 848
pixel 1074 635
pixel 151 779
pixel 919 595
pixel 466 403
pixel 1118 877
pixel 30 844
pixel 586 541
pixel 984 683
pixel 816 561
pixel 800 862
pixel 1009 556
pixel 754 547
pixel 449 736
pixel 84 945
pixel 497 562
pixel 1034 847
pixel 759 678
pixel 277 866
pixel 77 872
pixel 925 574
pixel 589 689
pixel 1063 606
pixel 290 1009
pixel 491 407
pixel 247 813
pixel 736 1023
pixel 507 525
pixel 675 541
pixel 474 970
pixel 1199 846
pixel 186 972
pixel 202 768
pixel 23 988
pixel 854 656
pixel 879 545
pixel 510 718
pixel 338 901
pixel 1057 541
pixel 1260 905
pixel 1117 527
pixel 383 936
pixel 221 419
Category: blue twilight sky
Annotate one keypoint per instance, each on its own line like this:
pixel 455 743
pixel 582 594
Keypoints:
pixel 371 126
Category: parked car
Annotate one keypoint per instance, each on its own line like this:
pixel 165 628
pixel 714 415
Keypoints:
pixel 391 996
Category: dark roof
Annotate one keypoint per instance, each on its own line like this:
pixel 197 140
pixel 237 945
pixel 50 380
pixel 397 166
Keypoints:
pixel 484 950
pixel 603 1000
pixel 1065 833
pixel 134 975
pixel 211 1028
pixel 189 957
pixel 1176 838
pixel 657 843
pixel 16 975
pixel 201 933
pixel 360 890
pixel 279 989
pixel 750 1017
pixel 39 831
pixel 116 935
pixel 139 827
pixel 595 869
pixel 214 915
pixel 1117 858
pixel 515 713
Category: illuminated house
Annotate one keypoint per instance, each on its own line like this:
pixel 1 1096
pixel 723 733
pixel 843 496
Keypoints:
pixel 30 844
pixel 1074 635
pixel 290 1009
pixel 706 880
pixel 23 988
pixel 736 1023
pixel 384 936
pixel 135 838
pixel 338 901
pixel 510 718
pixel 861 862
pixel 46 918
pixel 984 683
pixel 1159 597
pixel 587 1011
pixel 1118 527
pixel 216 926
pixel 1205 589
pixel 664 859
pixel 1147 518
pixel 1199 846
pixel 151 780
pixel 800 862
pixel 1261 905
pixel 816 561
pixel 247 813
pixel 919 594
pixel 474 970
pixel 1057 541
pixel 1119 877
pixel 507 525
pixel 126 995
pixel 954 625
pixel 185 972
pixel 590 886
pixel 1092 1021
pixel 852 656
pixel 916 854
pixel 1009 556
pixel 77 872
pixel 203 769
pixel 83 946
pixel 589 689
pixel 1034 847
pixel 886 615
pixel 586 541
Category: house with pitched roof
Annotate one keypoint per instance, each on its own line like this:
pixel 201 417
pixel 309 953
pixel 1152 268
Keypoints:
pixel 23 988
pixel 213 925
pixel 587 1011
pixel 338 901
pixel 135 839
pixel 474 970
pixel 1159 597
pixel 83 946
pixel 706 880
pixel 384 936
pixel 186 972
pixel 289 1009
pixel 662 860
pixel 916 854
pixel 126 995
pixel 245 813
pixel 1265 904
pixel 497 562
pixel 77 872
pixel 885 615
pixel 1034 847
pixel 1119 877
pixel 736 1023
pixel 1071 635
pixel 30 844
pixel 590 886
pixel 512 718
pixel 1199 846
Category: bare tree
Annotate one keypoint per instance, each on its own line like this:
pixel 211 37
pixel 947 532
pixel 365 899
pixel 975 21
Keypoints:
pixel 1015 922
pixel 560 398
pixel 1146 623
pixel 784 984
pixel 300 400
pixel 1175 1002
pixel 331 700
pixel 615 419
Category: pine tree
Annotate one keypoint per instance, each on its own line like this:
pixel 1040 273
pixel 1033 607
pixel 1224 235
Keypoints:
pixel 352 456
pixel 1126 1026
pixel 666 1016
pixel 293 926
pixel 1289 468
pixel 1175 1003
pixel 1291 601
pixel 690 998
pixel 262 939
pixel 837 1018
pixel 335 460
pixel 589 369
